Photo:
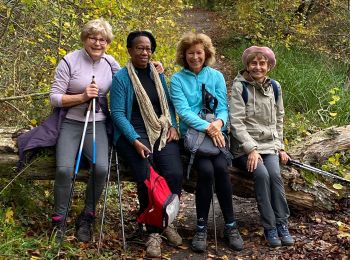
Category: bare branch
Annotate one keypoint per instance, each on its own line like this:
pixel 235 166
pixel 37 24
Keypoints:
pixel 24 96
pixel 19 111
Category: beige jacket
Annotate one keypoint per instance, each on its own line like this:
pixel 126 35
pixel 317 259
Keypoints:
pixel 259 123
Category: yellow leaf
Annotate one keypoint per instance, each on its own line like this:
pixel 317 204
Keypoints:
pixel 332 114
pixel 337 186
pixel 332 102
pixel 9 216
pixel 33 122
pixel 61 52
pixel 33 257
pixel 52 60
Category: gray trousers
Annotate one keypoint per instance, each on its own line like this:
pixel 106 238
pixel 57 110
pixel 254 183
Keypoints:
pixel 269 190
pixel 66 151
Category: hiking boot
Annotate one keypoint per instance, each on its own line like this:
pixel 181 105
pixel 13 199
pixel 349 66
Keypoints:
pixel 58 226
pixel 283 233
pixel 272 237
pixel 153 245
pixel 233 238
pixel 173 238
pixel 199 241
pixel 83 226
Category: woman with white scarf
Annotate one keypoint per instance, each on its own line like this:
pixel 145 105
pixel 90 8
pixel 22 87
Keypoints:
pixel 145 125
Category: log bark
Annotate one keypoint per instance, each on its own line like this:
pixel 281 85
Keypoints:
pixel 301 195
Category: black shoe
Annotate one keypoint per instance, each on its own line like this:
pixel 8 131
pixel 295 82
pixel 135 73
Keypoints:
pixel 199 241
pixel 83 226
pixel 233 238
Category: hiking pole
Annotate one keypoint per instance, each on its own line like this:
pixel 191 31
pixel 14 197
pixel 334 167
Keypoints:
pixel 77 163
pixel 214 220
pixel 93 149
pixel 120 199
pixel 316 170
pixel 105 201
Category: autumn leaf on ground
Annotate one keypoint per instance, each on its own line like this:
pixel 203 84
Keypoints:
pixel 244 231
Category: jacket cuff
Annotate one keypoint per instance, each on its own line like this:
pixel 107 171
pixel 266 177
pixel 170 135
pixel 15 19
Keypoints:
pixel 249 146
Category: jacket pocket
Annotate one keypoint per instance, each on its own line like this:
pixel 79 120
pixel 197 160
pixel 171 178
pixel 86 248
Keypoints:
pixel 255 134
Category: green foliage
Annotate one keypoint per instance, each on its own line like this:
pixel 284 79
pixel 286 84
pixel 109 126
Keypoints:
pixel 36 34
pixel 339 164
pixel 321 24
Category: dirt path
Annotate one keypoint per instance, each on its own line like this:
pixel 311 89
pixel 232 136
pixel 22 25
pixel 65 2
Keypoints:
pixel 210 23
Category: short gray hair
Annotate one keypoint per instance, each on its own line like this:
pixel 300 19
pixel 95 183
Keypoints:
pixel 97 26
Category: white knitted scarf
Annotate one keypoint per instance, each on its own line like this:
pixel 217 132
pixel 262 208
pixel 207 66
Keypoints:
pixel 155 127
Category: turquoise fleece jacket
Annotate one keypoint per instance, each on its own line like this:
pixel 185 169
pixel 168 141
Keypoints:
pixel 186 95
pixel 121 100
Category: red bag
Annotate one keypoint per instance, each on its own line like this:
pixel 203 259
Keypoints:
pixel 163 206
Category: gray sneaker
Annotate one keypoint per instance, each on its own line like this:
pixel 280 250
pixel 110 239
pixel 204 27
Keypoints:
pixel 173 238
pixel 233 238
pixel 199 241
pixel 153 245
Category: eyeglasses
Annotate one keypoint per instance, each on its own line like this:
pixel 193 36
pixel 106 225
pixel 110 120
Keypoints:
pixel 95 40
pixel 140 50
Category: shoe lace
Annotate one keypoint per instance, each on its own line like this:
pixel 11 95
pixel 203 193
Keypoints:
pixel 154 239
pixel 271 233
pixel 283 230
pixel 233 233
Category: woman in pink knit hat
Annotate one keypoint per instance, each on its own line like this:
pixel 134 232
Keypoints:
pixel 256 114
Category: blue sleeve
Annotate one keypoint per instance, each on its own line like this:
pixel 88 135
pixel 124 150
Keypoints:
pixel 183 108
pixel 119 103
pixel 221 95
pixel 170 103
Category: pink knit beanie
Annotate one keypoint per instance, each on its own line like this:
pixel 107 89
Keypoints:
pixel 266 51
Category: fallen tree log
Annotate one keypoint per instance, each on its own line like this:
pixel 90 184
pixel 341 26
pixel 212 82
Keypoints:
pixel 300 194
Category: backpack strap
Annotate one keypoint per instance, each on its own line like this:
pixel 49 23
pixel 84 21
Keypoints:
pixel 245 90
pixel 70 71
pixel 275 89
pixel 206 100
pixel 198 143
pixel 110 65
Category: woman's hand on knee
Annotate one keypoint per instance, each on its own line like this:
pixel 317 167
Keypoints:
pixel 252 161
pixel 219 140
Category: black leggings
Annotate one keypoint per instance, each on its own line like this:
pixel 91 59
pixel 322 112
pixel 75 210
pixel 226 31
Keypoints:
pixel 167 162
pixel 208 169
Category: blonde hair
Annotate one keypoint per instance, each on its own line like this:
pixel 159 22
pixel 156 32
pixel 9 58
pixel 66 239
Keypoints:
pixel 188 40
pixel 97 26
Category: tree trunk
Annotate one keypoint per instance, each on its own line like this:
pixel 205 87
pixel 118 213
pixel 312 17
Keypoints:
pixel 300 194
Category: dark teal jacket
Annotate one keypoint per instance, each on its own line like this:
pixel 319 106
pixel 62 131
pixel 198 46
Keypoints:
pixel 121 101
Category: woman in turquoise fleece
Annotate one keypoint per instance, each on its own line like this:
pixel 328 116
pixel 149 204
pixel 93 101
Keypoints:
pixel 195 53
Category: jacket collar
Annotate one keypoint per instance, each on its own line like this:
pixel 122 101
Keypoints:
pixel 187 71
pixel 87 56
